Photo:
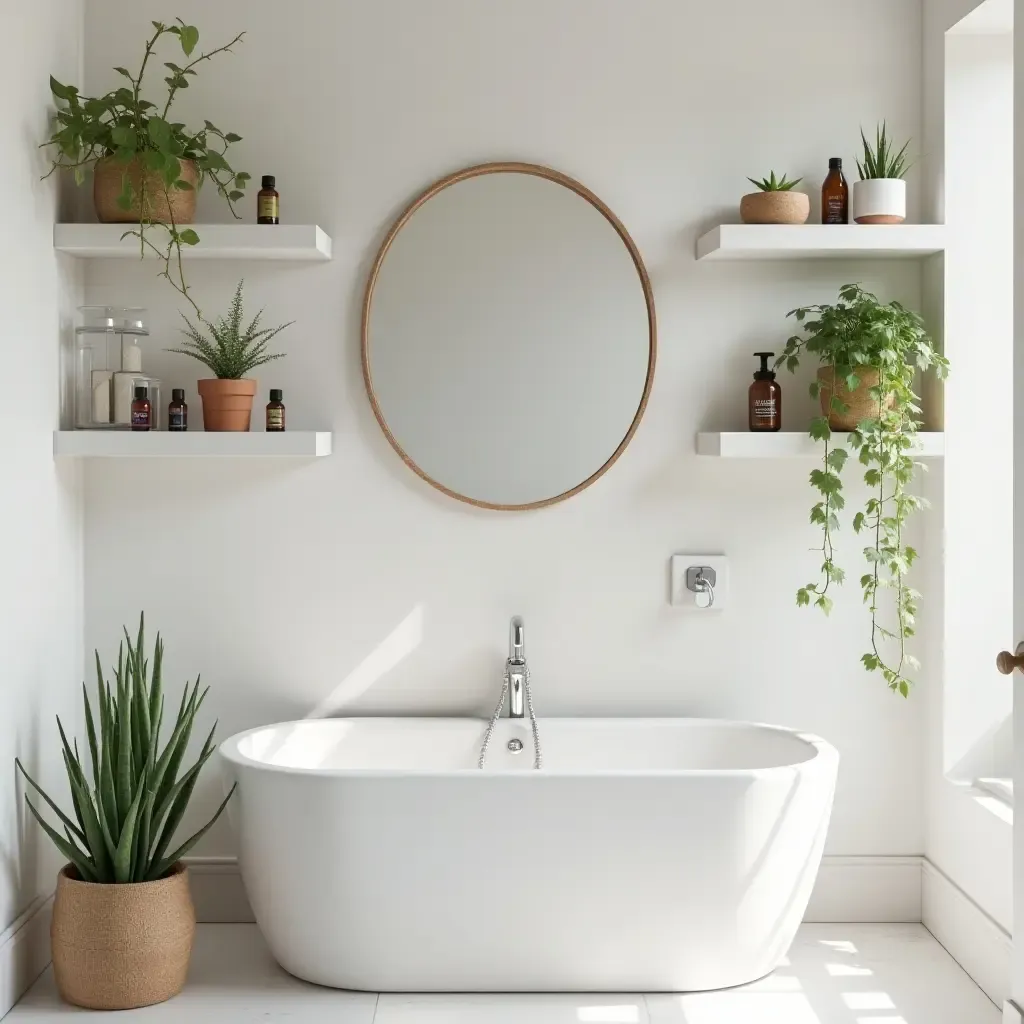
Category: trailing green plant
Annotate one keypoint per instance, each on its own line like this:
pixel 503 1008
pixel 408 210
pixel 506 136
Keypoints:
pixel 128 808
pixel 773 184
pixel 882 160
pixel 855 333
pixel 232 352
pixel 124 126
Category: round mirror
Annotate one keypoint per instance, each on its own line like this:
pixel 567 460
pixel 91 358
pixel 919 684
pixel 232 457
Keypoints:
pixel 508 336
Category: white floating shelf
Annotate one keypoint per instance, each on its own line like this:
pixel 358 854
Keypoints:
pixel 287 242
pixel 790 444
pixel 114 444
pixel 816 241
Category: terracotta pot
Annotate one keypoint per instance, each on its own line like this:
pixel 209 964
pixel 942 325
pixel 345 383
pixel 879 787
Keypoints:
pixel 227 404
pixel 775 208
pixel 116 947
pixel 108 176
pixel 862 406
pixel 880 201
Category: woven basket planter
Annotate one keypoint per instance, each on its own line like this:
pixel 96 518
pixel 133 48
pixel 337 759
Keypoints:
pixel 862 406
pixel 117 947
pixel 107 182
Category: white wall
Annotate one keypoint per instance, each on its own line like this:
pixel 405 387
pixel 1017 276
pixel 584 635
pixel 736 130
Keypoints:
pixel 40 544
pixel 278 583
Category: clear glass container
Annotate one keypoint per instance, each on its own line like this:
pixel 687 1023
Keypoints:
pixel 107 358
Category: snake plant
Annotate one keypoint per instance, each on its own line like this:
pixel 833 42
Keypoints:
pixel 882 159
pixel 125 818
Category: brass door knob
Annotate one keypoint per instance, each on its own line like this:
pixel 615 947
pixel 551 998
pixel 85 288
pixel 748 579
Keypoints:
pixel 1007 662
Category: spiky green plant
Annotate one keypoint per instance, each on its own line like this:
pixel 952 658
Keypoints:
pixel 126 817
pixel 233 352
pixel 774 184
pixel 882 160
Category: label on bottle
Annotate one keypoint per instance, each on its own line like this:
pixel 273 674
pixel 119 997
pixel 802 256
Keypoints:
pixel 176 420
pixel 275 419
pixel 765 411
pixel 835 211
pixel 266 207
pixel 140 419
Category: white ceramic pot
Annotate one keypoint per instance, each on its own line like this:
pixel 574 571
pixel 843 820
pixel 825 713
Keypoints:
pixel 880 201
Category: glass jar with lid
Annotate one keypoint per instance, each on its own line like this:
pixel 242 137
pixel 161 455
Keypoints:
pixel 107 357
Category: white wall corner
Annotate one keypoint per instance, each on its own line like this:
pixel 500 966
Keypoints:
pixel 979 945
pixel 1012 1013
pixel 24 952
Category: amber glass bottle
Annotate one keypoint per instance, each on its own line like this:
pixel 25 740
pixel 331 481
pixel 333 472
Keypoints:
pixel 835 195
pixel 268 202
pixel 177 411
pixel 275 410
pixel 142 410
pixel 765 397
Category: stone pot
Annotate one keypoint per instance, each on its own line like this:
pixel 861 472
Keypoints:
pixel 118 947
pixel 861 404
pixel 775 208
pixel 880 201
pixel 107 180
pixel 227 404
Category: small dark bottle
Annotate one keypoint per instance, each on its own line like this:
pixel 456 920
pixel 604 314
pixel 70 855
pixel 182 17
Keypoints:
pixel 835 195
pixel 177 411
pixel 268 202
pixel 765 401
pixel 142 409
pixel 275 411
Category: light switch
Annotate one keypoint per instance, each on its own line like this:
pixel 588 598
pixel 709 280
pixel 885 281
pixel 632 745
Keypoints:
pixel 699 582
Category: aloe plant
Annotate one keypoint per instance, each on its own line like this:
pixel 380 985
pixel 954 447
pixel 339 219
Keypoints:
pixel 881 160
pixel 774 184
pixel 125 819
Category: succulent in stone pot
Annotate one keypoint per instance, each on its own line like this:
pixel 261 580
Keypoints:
pixel 775 202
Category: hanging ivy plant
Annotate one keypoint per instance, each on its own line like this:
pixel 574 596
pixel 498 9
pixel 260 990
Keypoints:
pixel 858 341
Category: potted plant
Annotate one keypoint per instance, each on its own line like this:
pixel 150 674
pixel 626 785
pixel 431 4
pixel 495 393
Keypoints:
pixel 869 353
pixel 123 920
pixel 146 167
pixel 775 202
pixel 230 352
pixel 880 197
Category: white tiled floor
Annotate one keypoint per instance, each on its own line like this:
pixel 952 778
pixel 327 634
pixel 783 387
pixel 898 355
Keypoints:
pixel 835 974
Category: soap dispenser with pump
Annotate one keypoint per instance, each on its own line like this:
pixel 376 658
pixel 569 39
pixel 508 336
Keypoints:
pixel 765 397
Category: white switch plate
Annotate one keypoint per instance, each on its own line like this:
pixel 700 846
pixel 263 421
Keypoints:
pixel 683 598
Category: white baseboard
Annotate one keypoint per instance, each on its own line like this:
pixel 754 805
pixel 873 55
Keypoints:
pixel 849 889
pixel 979 945
pixel 24 952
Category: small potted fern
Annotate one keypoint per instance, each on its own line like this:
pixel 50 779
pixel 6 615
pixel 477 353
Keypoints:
pixel 230 352
pixel 123 921
pixel 775 202
pixel 880 197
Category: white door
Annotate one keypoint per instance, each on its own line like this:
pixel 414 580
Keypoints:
pixel 1017 984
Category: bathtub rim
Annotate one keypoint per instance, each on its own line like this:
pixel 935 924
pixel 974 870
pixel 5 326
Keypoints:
pixel 823 755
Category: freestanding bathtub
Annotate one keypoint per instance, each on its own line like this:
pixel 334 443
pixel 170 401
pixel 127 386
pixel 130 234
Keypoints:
pixel 646 855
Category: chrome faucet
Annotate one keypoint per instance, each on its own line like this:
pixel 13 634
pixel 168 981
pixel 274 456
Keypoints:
pixel 515 667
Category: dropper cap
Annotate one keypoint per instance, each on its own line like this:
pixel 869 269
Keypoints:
pixel 764 373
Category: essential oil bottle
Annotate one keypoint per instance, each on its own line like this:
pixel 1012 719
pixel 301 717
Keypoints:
pixel 268 202
pixel 177 411
pixel 142 409
pixel 765 398
pixel 835 195
pixel 275 411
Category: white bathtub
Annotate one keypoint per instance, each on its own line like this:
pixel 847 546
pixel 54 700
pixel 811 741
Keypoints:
pixel 647 855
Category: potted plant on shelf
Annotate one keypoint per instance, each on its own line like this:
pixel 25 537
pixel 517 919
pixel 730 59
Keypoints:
pixel 146 167
pixel 880 197
pixel 230 352
pixel 869 353
pixel 123 920
pixel 775 202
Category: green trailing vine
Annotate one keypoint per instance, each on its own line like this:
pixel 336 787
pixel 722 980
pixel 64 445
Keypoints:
pixel 125 127
pixel 856 335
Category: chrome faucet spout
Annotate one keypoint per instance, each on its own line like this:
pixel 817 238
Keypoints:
pixel 515 667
